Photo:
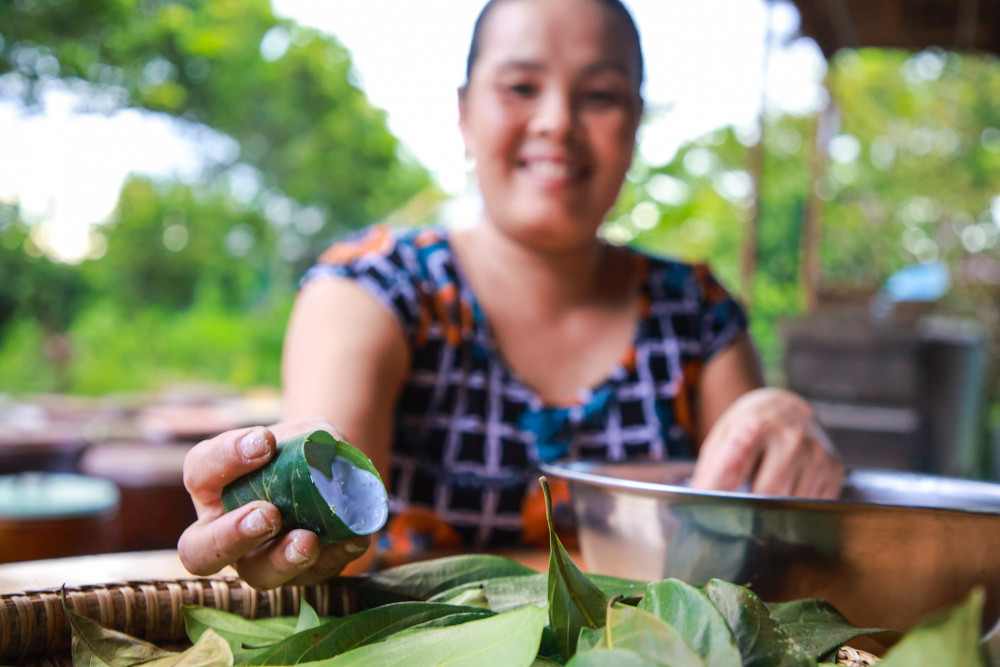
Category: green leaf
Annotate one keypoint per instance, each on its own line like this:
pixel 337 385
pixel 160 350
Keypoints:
pixel 761 640
pixel 692 614
pixel 647 636
pixel 472 596
pixel 245 637
pixel 542 661
pixel 308 618
pixel 506 593
pixel 589 639
pixel 281 625
pixel 210 650
pixel 617 586
pixel 465 616
pixel 424 579
pixel 817 626
pixel 548 647
pixel 447 621
pixel 349 632
pixel 613 657
pixel 950 637
pixel 318 483
pixel 574 601
pixel 96 646
pixel 510 639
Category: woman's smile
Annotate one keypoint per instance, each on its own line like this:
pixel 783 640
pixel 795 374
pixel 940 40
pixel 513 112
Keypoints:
pixel 553 172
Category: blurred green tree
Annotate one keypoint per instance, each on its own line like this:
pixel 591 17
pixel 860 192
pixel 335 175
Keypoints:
pixel 32 285
pixel 285 93
pixel 297 156
pixel 39 298
pixel 168 240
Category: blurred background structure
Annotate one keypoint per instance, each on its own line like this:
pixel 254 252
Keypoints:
pixel 896 386
pixel 863 231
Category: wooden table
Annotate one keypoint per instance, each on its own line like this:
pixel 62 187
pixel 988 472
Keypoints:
pixel 98 569
pixel 148 565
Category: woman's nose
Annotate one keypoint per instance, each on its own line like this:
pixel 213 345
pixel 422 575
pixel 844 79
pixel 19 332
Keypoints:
pixel 555 116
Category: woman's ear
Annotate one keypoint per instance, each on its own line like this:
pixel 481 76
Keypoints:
pixel 463 121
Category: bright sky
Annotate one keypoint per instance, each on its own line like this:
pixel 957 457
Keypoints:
pixel 704 70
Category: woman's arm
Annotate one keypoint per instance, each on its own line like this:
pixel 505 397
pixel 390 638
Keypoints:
pixel 344 363
pixel 345 360
pixel 765 437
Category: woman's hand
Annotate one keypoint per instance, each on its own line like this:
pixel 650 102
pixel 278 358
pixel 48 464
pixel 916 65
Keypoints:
pixel 769 439
pixel 243 537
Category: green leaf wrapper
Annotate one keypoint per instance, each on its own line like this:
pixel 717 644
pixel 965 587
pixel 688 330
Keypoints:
pixel 575 601
pixel 318 483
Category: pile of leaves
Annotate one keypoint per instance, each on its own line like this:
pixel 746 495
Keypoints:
pixel 487 611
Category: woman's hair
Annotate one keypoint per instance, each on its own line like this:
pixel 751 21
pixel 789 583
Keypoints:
pixel 614 5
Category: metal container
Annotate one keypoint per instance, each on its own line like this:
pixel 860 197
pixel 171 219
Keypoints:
pixel 893 548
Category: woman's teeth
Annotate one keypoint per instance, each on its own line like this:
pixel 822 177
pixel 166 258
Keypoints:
pixel 548 169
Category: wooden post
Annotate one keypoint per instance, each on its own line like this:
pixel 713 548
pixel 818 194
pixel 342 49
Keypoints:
pixel 748 253
pixel 824 129
pixel 755 166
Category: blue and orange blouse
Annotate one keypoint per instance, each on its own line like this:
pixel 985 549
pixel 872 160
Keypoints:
pixel 469 433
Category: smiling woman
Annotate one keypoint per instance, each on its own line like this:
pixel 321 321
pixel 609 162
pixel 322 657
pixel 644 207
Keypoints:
pixel 459 360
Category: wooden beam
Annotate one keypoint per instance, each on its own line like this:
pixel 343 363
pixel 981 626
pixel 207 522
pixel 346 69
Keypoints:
pixel 965 30
pixel 755 158
pixel 812 220
pixel 844 28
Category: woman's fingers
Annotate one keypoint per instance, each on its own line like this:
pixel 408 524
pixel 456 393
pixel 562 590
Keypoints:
pixel 298 559
pixel 728 459
pixel 332 560
pixel 834 484
pixel 214 463
pixel 796 464
pixel 208 545
pixel 280 560
pixel 782 464
pixel 769 438
pixel 828 485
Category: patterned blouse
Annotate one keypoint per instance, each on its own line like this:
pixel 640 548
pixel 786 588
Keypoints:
pixel 469 433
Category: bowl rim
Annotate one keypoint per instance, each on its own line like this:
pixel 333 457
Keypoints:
pixel 584 472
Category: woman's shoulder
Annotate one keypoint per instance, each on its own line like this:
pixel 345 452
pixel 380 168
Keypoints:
pixel 390 263
pixel 670 277
pixel 383 242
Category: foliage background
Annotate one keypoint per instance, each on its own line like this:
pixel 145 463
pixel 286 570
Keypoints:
pixel 194 280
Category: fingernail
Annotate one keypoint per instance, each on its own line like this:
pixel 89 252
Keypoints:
pixel 353 547
pixel 256 523
pixel 293 555
pixel 253 445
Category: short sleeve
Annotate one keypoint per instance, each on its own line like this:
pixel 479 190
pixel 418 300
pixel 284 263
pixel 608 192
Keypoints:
pixel 383 263
pixel 722 318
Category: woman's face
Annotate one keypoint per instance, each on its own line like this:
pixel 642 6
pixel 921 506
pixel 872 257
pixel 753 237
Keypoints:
pixel 550 115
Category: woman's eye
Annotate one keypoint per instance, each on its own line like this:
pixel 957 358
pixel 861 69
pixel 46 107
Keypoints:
pixel 601 96
pixel 522 89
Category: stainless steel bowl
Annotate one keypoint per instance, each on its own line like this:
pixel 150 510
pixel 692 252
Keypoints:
pixel 894 547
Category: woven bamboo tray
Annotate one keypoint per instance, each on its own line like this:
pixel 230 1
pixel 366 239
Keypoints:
pixel 35 631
